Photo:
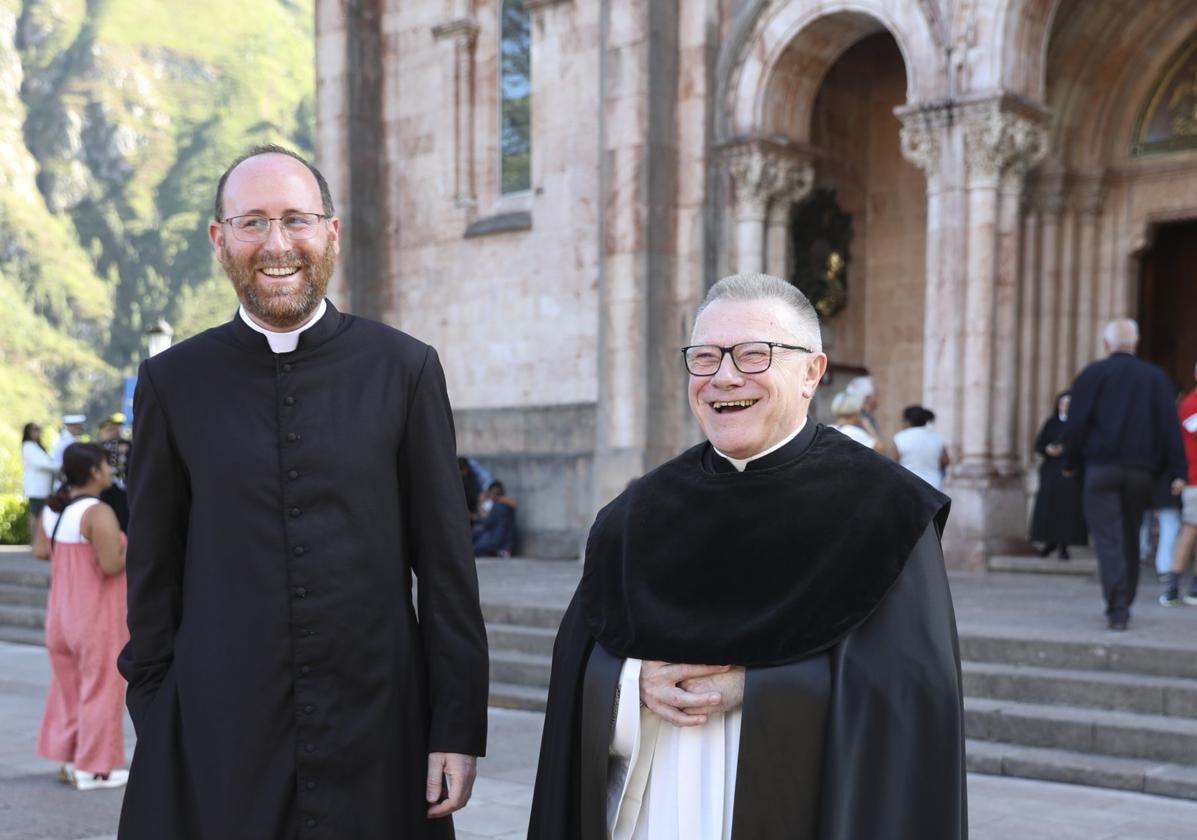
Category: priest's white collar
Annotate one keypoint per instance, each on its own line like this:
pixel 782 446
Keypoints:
pixel 741 463
pixel 283 342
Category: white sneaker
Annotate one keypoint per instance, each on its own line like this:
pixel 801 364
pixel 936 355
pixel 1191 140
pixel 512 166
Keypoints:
pixel 98 781
pixel 1190 598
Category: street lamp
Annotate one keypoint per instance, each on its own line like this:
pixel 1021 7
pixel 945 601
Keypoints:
pixel 159 336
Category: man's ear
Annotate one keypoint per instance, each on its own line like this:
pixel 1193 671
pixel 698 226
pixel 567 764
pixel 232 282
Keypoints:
pixel 216 236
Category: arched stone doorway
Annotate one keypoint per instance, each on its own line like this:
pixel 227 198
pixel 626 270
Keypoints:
pixel 812 105
pixel 1104 225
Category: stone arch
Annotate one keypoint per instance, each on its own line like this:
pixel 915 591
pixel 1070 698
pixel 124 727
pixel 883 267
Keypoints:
pixel 1026 29
pixel 778 54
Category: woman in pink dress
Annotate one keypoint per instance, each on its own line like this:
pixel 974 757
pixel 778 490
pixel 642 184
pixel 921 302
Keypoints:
pixel 85 624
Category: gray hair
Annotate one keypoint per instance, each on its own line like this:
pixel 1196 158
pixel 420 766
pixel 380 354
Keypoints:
pixel 748 287
pixel 1121 334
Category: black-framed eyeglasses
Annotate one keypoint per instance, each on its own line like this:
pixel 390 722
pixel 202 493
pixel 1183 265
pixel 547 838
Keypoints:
pixel 254 227
pixel 747 356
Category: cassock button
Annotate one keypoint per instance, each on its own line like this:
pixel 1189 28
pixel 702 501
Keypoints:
pixel 299 550
pixel 310 784
pixel 292 437
pixel 305 633
pixel 301 592
pixel 288 400
pixel 309 748
pixel 295 512
pixel 293 474
pixel 305 670
pixel 308 709
pixel 287 367
pixel 311 822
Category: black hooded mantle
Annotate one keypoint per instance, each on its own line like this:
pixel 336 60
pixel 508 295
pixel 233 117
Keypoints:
pixel 822 574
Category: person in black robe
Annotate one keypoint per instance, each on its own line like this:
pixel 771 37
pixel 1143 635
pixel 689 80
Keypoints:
pixel 295 467
pixel 809 564
pixel 1058 520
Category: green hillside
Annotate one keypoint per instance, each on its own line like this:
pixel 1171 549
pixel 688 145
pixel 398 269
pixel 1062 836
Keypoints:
pixel 116 119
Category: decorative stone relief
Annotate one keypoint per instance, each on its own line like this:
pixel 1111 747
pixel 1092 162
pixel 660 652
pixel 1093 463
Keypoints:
pixel 764 173
pixel 1001 144
pixel 920 146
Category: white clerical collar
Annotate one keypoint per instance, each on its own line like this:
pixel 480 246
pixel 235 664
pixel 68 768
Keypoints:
pixel 741 463
pixel 283 342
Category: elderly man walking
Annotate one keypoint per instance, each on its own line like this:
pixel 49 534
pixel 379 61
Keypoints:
pixel 1123 429
pixel 762 644
pixel 295 468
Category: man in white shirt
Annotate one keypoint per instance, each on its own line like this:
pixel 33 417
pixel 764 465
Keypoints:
pixel 72 431
pixel 763 642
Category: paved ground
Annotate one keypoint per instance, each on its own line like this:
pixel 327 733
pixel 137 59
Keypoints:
pixel 35 807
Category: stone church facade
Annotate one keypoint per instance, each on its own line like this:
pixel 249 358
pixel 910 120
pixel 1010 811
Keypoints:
pixel 545 189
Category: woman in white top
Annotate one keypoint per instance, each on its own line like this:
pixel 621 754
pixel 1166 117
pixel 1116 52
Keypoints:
pixel 39 468
pixel 85 624
pixel 846 407
pixel 919 448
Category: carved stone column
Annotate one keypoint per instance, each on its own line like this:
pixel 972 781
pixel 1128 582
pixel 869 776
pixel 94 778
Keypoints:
pixel 1088 196
pixel 1050 202
pixel 923 136
pixel 462 33
pixel 763 173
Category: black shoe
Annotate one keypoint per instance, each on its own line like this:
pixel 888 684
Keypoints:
pixel 1118 624
pixel 1063 555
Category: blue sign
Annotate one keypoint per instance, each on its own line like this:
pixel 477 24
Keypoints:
pixel 127 400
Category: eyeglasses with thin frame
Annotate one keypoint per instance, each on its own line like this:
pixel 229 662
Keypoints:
pixel 254 227
pixel 747 356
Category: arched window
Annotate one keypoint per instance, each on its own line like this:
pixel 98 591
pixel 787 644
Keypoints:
pixel 515 99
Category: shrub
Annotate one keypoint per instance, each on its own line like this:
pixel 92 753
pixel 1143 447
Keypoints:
pixel 14 520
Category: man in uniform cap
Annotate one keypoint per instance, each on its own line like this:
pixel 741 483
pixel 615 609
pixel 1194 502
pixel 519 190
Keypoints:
pixel 763 643
pixel 72 432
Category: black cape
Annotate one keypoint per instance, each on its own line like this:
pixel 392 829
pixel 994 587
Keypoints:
pixel 281 683
pixel 822 572
pixel 1058 518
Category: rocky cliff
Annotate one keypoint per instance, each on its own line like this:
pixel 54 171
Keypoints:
pixel 116 119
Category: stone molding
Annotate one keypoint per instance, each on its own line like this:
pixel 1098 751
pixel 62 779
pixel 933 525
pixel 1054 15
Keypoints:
pixel 465 29
pixel 500 223
pixel 462 33
pixel 540 5
pixel 764 172
pixel 1089 195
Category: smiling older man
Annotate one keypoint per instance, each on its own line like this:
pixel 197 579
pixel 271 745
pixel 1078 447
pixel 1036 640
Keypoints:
pixel 762 644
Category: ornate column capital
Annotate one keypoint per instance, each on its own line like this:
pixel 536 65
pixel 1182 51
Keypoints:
pixel 763 172
pixel 1001 142
pixel 922 129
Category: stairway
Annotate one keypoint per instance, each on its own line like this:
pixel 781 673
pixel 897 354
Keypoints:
pixel 1119 715
pixel 24 587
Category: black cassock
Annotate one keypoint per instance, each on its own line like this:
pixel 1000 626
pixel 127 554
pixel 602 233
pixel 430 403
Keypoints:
pixel 819 568
pixel 280 681
pixel 1058 518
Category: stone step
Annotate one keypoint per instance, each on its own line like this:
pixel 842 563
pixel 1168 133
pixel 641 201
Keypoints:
pixel 523 614
pixel 17 615
pixel 22 635
pixel 26 573
pixel 1096 731
pixel 978 645
pixel 1052 765
pixel 1168 696
pixel 1021 564
pixel 526 669
pixel 510 696
pixel 30 596
pixel 521 639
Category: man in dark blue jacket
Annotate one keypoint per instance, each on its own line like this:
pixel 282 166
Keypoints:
pixel 1123 429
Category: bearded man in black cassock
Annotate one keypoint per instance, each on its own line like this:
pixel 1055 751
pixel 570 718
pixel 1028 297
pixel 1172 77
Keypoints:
pixel 762 646
pixel 295 467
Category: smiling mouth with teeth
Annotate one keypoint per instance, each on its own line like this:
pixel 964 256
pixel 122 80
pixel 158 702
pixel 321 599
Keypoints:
pixel 732 405
pixel 279 271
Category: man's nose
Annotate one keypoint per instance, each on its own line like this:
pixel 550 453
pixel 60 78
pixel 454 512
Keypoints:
pixel 276 238
pixel 727 372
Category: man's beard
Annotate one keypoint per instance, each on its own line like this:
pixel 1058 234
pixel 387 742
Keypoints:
pixel 280 307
